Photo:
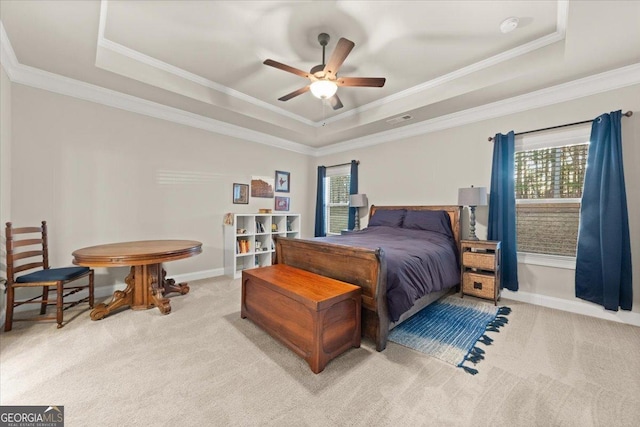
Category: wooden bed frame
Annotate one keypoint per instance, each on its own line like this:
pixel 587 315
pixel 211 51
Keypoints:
pixel 366 268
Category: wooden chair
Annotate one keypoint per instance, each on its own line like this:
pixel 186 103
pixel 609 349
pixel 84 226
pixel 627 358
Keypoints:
pixel 32 253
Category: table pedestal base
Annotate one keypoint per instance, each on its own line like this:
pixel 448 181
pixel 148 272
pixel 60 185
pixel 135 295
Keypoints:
pixel 146 287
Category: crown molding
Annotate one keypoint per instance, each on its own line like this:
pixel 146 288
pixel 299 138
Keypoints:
pixel 30 76
pixel 34 77
pixel 558 35
pixel 587 86
pixel 119 49
pixel 8 57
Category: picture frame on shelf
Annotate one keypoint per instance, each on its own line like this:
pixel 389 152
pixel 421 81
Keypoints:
pixel 282 203
pixel 282 181
pixel 240 194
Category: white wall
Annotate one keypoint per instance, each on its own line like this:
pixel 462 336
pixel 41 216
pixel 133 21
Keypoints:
pixel 99 174
pixel 429 169
pixel 5 171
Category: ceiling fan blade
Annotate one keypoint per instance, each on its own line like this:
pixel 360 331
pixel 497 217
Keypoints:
pixel 335 102
pixel 294 93
pixel 338 56
pixel 361 81
pixel 287 68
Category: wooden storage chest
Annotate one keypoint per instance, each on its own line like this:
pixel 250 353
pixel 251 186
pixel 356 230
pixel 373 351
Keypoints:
pixel 315 316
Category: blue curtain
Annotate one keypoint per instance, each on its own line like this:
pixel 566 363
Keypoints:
pixel 353 189
pixel 320 219
pixel 502 207
pixel 603 260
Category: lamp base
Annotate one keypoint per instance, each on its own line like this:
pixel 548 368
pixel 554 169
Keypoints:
pixel 472 223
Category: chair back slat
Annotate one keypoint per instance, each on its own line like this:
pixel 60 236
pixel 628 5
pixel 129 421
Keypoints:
pixel 30 266
pixel 24 230
pixel 27 242
pixel 29 254
pixel 25 258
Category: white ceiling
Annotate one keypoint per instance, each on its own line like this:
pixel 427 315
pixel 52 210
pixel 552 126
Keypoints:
pixel 205 57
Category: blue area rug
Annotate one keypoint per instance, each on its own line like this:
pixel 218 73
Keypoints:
pixel 450 329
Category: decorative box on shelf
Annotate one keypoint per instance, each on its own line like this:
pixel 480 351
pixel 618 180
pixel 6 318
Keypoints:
pixel 480 269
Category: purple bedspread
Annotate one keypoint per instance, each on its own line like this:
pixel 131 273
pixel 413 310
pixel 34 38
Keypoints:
pixel 418 262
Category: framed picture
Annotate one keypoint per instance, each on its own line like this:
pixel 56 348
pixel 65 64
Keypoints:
pixel 282 181
pixel 262 186
pixel 240 194
pixel 282 203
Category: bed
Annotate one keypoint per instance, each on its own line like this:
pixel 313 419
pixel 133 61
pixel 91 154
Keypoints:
pixel 370 258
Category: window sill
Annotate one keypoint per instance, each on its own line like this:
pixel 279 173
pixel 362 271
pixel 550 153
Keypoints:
pixel 547 260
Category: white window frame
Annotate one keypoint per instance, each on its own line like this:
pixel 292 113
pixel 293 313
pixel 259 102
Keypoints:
pixel 550 139
pixel 332 171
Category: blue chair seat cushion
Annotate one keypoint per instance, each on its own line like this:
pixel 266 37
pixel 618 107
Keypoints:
pixel 53 274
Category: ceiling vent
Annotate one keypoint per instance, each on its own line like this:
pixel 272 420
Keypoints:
pixel 399 119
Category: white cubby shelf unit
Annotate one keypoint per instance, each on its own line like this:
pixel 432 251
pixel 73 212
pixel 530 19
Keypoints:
pixel 249 241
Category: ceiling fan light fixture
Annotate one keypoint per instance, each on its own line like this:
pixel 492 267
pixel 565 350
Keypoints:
pixel 323 77
pixel 323 89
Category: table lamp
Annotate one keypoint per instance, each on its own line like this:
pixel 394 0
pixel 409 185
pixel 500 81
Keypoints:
pixel 358 201
pixel 472 197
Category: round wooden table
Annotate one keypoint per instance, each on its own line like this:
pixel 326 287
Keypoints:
pixel 146 283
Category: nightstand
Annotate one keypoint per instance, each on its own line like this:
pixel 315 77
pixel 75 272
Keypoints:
pixel 480 269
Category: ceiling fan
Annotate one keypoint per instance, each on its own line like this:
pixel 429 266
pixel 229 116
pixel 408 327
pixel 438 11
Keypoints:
pixel 324 77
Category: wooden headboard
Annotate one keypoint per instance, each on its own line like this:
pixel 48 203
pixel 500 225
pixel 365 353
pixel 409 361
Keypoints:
pixel 452 211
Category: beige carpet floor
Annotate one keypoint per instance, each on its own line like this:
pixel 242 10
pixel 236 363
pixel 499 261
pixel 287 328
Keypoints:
pixel 202 365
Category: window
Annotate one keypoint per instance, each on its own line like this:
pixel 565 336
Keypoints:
pixel 337 182
pixel 549 174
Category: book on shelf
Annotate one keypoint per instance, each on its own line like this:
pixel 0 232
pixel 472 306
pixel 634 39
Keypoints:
pixel 242 246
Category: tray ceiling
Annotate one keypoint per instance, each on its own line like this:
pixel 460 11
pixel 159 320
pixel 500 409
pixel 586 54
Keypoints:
pixel 205 57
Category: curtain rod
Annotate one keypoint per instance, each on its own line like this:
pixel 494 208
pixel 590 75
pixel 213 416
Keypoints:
pixel 627 114
pixel 342 164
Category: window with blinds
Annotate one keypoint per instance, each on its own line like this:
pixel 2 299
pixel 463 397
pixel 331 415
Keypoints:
pixel 549 175
pixel 337 184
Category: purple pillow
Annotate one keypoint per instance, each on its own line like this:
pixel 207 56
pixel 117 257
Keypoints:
pixel 437 221
pixel 388 217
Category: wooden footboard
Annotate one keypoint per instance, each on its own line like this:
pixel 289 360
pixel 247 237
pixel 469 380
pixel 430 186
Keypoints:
pixel 366 268
pixel 359 266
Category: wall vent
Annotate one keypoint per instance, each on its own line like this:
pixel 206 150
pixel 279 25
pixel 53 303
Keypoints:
pixel 399 119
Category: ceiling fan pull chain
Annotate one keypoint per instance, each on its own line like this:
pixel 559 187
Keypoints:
pixel 324 111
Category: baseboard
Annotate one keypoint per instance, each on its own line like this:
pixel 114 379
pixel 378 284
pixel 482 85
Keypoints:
pixel 577 306
pixel 107 291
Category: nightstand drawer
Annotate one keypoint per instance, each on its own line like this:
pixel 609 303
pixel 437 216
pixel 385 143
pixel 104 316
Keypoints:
pixel 480 285
pixel 483 261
